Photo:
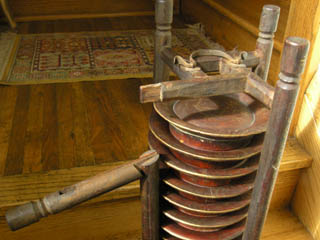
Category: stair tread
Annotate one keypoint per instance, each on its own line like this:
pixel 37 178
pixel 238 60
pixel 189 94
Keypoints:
pixel 123 220
pixel 294 156
pixel 282 224
pixel 18 189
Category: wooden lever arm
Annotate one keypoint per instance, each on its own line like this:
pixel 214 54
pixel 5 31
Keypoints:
pixel 259 89
pixel 215 85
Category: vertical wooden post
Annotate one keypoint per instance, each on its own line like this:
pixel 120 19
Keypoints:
pixel 149 186
pixel 8 13
pixel 268 26
pixel 163 17
pixel 292 65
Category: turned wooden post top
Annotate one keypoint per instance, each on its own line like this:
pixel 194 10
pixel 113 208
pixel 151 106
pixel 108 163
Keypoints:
pixel 269 19
pixel 294 57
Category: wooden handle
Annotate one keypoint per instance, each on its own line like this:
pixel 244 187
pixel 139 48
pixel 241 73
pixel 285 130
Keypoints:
pixel 68 197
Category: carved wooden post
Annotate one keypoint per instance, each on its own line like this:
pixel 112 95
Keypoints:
pixel 292 65
pixel 164 16
pixel 268 26
pixel 149 186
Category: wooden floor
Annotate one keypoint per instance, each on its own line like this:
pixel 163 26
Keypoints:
pixel 54 126
pixel 48 127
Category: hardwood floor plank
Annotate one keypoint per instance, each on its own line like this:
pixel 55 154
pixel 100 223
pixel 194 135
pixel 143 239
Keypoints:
pixel 83 153
pixel 8 96
pixel 33 146
pixel 14 162
pixel 106 141
pixel 50 156
pixel 133 122
pixel 99 136
pixel 66 141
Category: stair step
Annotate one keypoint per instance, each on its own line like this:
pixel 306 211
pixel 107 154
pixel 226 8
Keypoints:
pixel 121 220
pixel 294 156
pixel 282 224
pixel 117 214
pixel 18 189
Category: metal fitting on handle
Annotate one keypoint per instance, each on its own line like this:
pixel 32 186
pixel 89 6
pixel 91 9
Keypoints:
pixel 25 215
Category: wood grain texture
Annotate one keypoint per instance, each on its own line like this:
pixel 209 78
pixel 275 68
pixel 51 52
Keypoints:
pixel 281 224
pixel 50 127
pixel 306 199
pixel 44 10
pixel 14 190
pixel 105 220
pixel 6 120
pixel 121 220
pixel 303 21
pixel 249 17
pixel 99 24
pixel 226 31
pixel 284 189
pixel 81 16
pixel 57 126
pixel 33 146
pixel 14 160
pixel 294 156
pixel 63 7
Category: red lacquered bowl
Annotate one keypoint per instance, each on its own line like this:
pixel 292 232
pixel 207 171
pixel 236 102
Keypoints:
pixel 205 143
pixel 205 164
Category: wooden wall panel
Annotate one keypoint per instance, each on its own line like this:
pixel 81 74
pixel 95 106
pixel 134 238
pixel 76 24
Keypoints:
pixel 284 189
pixel 226 31
pixel 37 10
pixel 62 7
pixel 303 21
pixel 306 199
pixel 250 11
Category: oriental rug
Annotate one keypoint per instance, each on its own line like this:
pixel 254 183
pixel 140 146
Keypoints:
pixel 87 56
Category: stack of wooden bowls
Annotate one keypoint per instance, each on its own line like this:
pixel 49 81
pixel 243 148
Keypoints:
pixel 210 149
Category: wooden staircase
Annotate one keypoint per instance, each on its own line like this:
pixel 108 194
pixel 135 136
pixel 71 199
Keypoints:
pixel 117 215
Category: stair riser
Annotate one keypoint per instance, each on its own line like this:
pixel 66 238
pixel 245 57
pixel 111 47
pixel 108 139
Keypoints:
pixel 116 219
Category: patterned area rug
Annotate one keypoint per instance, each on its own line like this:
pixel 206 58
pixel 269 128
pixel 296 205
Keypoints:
pixel 87 56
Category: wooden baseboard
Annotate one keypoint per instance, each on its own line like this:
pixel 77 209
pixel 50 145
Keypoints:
pixel 81 16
